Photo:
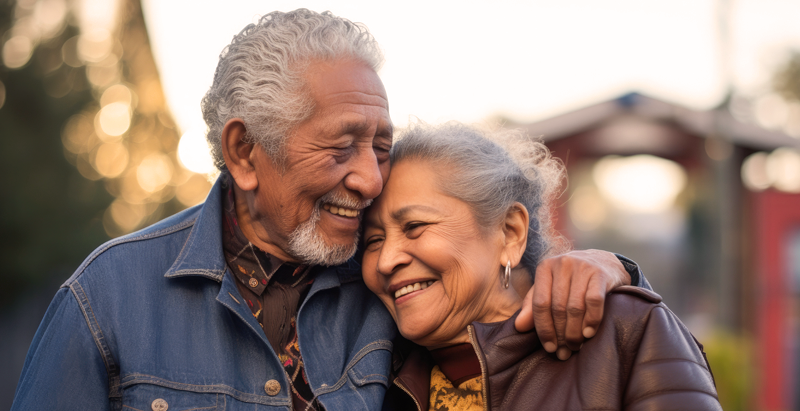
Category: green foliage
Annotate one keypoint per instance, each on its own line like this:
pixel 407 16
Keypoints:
pixel 51 216
pixel 730 358
pixel 787 79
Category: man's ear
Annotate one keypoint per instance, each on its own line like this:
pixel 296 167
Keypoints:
pixel 237 154
pixel 515 232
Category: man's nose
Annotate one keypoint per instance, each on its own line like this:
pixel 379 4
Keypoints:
pixel 365 175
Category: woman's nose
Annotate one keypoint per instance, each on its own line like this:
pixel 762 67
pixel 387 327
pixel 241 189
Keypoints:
pixel 392 256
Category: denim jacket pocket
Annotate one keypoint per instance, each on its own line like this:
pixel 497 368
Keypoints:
pixel 373 367
pixel 150 397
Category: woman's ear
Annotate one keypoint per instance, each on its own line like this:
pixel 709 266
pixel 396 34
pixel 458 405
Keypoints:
pixel 237 154
pixel 515 231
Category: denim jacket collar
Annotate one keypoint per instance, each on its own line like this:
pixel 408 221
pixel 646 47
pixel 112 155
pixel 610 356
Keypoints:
pixel 202 254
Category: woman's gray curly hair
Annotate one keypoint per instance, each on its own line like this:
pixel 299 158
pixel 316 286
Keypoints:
pixel 490 171
pixel 259 77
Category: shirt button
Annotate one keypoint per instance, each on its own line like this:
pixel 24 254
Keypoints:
pixel 272 387
pixel 253 283
pixel 159 405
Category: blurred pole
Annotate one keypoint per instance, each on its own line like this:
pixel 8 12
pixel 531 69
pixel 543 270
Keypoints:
pixel 725 175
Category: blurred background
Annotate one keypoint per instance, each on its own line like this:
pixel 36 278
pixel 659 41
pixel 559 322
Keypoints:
pixel 678 121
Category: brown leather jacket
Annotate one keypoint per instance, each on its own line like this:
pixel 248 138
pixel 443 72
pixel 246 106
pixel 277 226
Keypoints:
pixel 642 358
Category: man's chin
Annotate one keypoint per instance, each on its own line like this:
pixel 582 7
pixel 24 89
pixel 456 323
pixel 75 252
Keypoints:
pixel 313 247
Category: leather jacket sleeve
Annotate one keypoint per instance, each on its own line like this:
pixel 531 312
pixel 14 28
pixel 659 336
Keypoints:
pixel 670 370
pixel 633 269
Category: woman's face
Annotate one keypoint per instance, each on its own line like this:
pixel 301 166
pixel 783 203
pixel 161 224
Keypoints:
pixel 428 260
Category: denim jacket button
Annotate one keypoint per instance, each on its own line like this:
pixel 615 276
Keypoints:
pixel 272 387
pixel 159 405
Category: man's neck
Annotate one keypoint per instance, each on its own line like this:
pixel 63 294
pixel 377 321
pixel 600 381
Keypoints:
pixel 254 231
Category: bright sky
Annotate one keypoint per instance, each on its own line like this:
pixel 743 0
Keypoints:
pixel 468 60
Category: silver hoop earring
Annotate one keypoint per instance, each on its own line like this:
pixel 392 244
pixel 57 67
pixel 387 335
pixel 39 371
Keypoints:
pixel 507 275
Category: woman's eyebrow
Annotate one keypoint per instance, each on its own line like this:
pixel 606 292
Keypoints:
pixel 401 213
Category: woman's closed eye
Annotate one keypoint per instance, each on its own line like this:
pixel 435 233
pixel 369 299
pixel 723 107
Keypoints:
pixel 373 242
pixel 413 229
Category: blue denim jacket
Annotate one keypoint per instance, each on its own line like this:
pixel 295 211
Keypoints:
pixel 151 320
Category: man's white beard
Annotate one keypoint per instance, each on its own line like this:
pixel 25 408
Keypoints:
pixel 307 244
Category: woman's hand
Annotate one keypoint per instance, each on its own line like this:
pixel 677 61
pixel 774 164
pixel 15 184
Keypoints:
pixel 565 305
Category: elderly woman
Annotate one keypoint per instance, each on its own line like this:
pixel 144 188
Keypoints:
pixel 450 245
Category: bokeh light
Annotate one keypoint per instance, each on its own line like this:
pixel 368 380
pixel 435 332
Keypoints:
pixel 17 51
pixel 114 119
pixel 771 111
pixel 49 15
pixel 121 216
pixel 779 170
pixel 640 183
pixel 194 191
pixel 193 152
pixel 587 210
pixel 95 46
pixel 111 159
pixel 783 169
pixel 154 172
pixel 117 93
pixel 754 172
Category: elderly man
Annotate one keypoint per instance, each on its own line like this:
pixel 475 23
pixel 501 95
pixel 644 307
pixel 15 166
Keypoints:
pixel 253 300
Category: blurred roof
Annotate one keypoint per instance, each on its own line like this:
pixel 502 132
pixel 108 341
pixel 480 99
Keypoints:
pixel 716 122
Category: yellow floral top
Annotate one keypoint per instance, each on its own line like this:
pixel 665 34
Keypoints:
pixel 446 397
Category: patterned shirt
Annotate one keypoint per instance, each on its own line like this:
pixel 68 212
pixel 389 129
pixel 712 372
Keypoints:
pixel 274 291
pixel 456 379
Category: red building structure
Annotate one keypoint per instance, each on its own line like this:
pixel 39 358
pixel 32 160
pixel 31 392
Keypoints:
pixel 724 255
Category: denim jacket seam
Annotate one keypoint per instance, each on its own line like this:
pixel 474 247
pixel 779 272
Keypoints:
pixel 373 346
pixel 99 339
pixel 123 240
pixel 139 378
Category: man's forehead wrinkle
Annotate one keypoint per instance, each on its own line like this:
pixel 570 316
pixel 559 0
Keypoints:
pixel 355 98
pixel 348 121
pixel 377 94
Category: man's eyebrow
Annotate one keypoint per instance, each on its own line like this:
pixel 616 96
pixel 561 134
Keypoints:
pixel 352 126
pixel 401 213
pixel 347 126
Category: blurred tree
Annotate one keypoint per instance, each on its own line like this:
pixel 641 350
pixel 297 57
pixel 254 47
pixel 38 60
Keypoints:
pixel 89 148
pixel 786 80
pixel 51 216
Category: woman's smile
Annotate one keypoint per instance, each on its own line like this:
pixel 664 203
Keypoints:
pixel 433 266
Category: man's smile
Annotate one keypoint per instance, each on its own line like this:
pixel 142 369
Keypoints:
pixel 342 211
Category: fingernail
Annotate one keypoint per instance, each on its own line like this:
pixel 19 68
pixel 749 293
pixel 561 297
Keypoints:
pixel 550 347
pixel 563 353
pixel 588 332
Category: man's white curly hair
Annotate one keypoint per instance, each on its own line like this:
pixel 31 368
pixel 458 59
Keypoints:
pixel 259 77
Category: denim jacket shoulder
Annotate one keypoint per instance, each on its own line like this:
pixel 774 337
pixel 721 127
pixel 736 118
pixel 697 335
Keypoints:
pixel 152 316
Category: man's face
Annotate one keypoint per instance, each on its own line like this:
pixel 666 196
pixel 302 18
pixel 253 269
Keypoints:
pixel 336 162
